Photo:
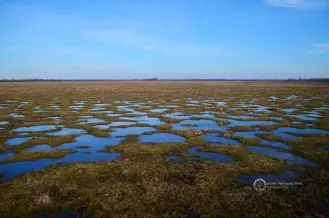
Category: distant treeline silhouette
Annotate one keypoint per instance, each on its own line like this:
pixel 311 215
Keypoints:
pixel 152 79
pixel 156 79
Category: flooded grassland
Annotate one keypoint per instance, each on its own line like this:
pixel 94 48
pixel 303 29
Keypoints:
pixel 153 149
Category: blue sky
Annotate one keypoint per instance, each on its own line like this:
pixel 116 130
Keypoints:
pixel 179 39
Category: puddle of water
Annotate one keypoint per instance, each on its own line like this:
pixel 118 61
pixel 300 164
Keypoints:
pixel 204 115
pixel 130 110
pixel 169 106
pixel 193 105
pixel 314 114
pixel 40 128
pixel 198 125
pixel 40 148
pixel 321 108
pixel 292 97
pixel 40 111
pixel 131 131
pixel 16 115
pixel 67 131
pixel 124 107
pixel 55 118
pixel 12 170
pixel 177 115
pixel 277 118
pixel 284 135
pixel 274 98
pixel 5 155
pixel 145 120
pixel 102 112
pixel 85 117
pixel 323 147
pixel 249 123
pixel 97 109
pixel 158 110
pixel 206 104
pixel 17 141
pixel 275 153
pixel 92 120
pixel 114 115
pixel 124 102
pixel 275 144
pixel 286 176
pixel 301 131
pixel 115 124
pixel 56 107
pixel 79 102
pixel 215 138
pixel 161 138
pixel 194 102
pixel 76 107
pixel 101 105
pixel 23 103
pixel 289 110
pixel 256 107
pixel 262 141
pixel 213 112
pixel 4 122
pixel 241 117
pixel 281 132
pixel 119 123
pixel 89 154
pixel 59 215
pixel 207 100
pixel 303 117
pixel 220 104
pixel 217 157
pixel 95 143
pixel 137 113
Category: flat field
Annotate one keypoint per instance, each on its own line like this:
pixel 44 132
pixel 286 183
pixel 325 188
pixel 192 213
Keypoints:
pixel 164 149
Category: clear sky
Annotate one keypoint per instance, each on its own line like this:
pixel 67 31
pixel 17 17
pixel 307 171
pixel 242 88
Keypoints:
pixel 178 39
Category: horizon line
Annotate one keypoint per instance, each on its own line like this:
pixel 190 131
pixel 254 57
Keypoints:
pixel 157 79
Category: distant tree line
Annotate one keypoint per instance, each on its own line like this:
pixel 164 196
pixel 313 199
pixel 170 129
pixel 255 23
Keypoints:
pixel 152 79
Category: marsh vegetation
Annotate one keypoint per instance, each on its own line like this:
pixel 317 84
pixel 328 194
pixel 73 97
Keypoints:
pixel 152 149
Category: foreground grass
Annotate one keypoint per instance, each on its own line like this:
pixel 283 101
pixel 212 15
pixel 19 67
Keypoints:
pixel 155 188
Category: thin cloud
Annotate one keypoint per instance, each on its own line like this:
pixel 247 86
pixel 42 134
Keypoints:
pixel 300 4
pixel 140 41
pixel 320 48
pixel 45 22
